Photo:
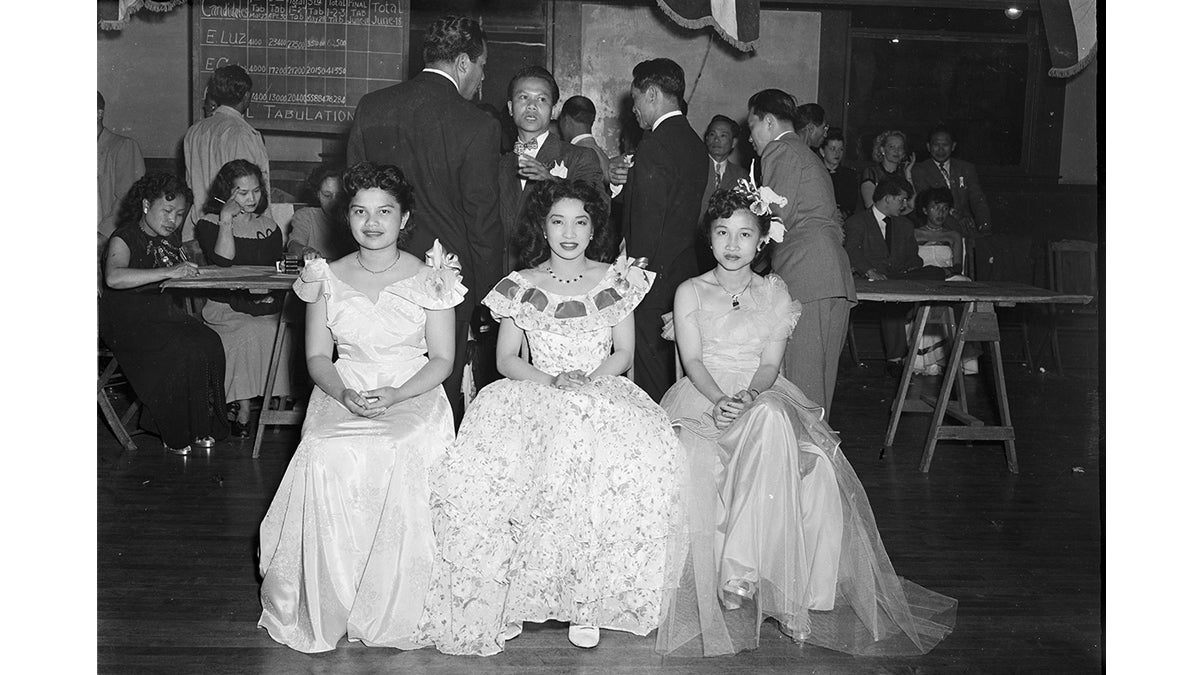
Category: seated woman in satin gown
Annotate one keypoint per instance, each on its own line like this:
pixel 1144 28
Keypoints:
pixel 347 545
pixel 560 497
pixel 236 229
pixel 174 362
pixel 778 522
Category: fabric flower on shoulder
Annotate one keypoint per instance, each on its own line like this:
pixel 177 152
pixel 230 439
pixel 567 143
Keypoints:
pixel 630 272
pixel 313 281
pixel 447 271
pixel 559 170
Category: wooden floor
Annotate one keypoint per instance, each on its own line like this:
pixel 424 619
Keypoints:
pixel 178 592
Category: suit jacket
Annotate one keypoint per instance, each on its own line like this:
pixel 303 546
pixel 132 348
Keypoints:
pixel 581 164
pixel 733 173
pixel 662 205
pixel 810 258
pixel 964 185
pixel 447 149
pixel 868 249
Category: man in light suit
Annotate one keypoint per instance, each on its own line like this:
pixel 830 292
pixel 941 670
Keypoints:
pixel 447 148
pixel 538 154
pixel 662 206
pixel 881 246
pixel 721 138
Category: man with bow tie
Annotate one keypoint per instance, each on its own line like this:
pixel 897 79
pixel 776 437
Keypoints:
pixel 538 154
pixel 446 147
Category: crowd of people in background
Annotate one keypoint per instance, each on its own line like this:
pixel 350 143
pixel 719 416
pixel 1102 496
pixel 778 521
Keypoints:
pixel 422 510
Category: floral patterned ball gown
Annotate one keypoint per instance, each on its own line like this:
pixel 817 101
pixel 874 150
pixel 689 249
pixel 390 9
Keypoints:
pixel 557 504
pixel 347 545
pixel 779 523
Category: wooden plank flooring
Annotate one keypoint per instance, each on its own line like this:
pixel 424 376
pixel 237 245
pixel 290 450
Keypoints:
pixel 178 589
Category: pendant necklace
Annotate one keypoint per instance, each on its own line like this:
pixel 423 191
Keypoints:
pixel 358 257
pixel 735 296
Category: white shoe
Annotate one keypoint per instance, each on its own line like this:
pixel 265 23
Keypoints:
pixel 585 637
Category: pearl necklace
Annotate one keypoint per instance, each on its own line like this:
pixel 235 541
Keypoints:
pixel 358 257
pixel 735 296
pixel 560 279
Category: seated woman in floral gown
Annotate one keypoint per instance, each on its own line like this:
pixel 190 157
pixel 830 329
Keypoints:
pixel 778 521
pixel 560 498
pixel 347 545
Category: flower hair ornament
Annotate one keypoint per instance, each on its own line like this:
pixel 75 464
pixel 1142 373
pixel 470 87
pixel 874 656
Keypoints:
pixel 761 199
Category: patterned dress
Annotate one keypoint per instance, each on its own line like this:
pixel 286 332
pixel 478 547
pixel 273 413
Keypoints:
pixel 557 504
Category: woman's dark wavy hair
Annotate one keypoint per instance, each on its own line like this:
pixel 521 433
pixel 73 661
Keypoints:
pixel 312 188
pixel 150 187
pixel 529 241
pixel 722 205
pixel 222 185
pixel 386 177
pixel 777 102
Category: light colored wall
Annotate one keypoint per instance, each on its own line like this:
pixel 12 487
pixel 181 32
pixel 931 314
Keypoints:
pixel 1080 152
pixel 616 38
pixel 142 71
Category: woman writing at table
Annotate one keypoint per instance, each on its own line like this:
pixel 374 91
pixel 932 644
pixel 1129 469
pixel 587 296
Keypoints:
pixel 173 361
pixel 237 230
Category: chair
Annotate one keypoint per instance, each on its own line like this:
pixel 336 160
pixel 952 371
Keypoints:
pixel 282 215
pixel 111 376
pixel 1073 269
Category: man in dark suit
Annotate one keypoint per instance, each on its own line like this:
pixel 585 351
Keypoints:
pixel 721 139
pixel 881 245
pixel 447 149
pixel 538 154
pixel 665 185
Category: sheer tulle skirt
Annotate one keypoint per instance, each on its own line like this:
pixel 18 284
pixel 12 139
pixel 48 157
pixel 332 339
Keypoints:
pixel 780 527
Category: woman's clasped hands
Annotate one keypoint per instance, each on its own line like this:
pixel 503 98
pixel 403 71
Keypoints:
pixel 371 403
pixel 728 409
pixel 571 380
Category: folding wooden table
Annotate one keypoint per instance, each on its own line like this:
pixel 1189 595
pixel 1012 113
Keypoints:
pixel 974 303
pixel 252 277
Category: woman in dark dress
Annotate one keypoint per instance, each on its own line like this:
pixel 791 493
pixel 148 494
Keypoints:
pixel 845 179
pixel 236 229
pixel 892 160
pixel 174 363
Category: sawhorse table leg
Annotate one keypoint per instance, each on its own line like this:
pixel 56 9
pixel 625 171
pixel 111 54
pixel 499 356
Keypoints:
pixel 281 416
pixel 978 324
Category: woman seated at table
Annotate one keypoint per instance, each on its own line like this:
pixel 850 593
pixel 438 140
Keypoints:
pixel 938 243
pixel 174 363
pixel 237 229
pixel 890 152
pixel 347 547
pixel 321 231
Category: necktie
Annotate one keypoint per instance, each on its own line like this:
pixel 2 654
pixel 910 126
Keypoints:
pixel 887 233
pixel 526 147
pixel 945 173
pixel 717 168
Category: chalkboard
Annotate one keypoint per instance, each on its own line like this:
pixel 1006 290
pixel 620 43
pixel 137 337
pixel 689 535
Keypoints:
pixel 310 60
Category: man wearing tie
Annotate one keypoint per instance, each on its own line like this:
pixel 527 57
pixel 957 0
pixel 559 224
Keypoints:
pixel 538 154
pixel 881 245
pixel 721 138
pixel 447 148
pixel 665 186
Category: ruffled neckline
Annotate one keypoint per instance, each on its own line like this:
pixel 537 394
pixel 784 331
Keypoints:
pixel 431 288
pixel 604 305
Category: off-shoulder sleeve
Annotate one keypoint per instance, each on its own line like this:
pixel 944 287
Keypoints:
pixel 432 288
pixel 314 281
pixel 625 288
pixel 505 297
pixel 785 311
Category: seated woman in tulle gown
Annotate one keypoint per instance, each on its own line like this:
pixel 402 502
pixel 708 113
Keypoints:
pixel 347 545
pixel 236 229
pixel 778 522
pixel 560 497
pixel 174 362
